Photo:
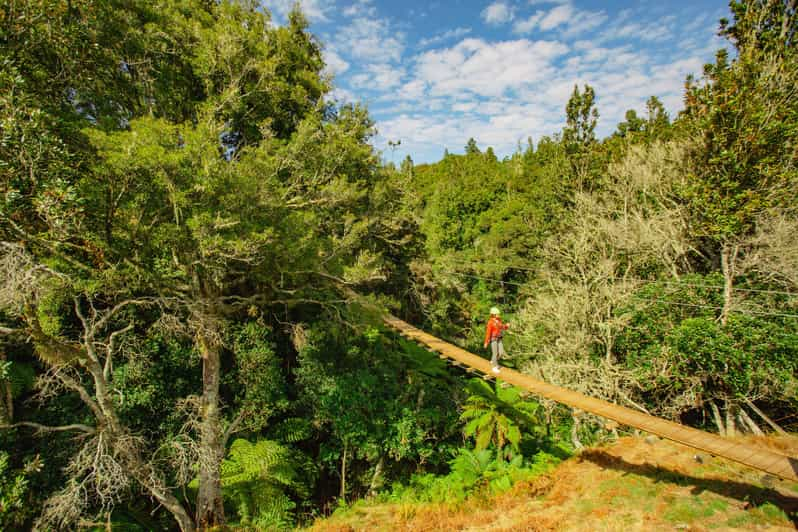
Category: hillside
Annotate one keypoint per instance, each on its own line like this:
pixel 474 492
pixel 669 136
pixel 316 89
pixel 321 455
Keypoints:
pixel 633 483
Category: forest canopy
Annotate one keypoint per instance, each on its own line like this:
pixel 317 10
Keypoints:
pixel 197 242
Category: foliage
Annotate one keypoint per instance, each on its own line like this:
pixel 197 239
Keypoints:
pixel 15 507
pixel 184 218
pixel 257 479
pixel 473 472
pixel 496 417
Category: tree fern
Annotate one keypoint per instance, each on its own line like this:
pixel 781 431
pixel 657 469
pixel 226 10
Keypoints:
pixel 257 479
pixel 497 416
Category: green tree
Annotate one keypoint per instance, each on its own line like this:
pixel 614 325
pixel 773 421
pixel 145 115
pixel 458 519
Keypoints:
pixel 745 118
pixel 657 124
pixel 579 134
pixel 497 416
pixel 633 124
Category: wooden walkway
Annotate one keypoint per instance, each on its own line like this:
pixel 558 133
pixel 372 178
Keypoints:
pixel 776 464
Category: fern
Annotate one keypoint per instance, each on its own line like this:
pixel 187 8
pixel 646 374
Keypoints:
pixel 292 430
pixel 497 416
pixel 256 479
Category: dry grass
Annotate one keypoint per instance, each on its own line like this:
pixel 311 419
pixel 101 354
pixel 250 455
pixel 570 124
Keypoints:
pixel 630 485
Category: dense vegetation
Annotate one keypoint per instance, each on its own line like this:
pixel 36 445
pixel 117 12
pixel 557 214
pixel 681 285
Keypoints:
pixel 186 221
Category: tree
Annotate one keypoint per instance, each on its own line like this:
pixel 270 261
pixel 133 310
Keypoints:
pixel 632 125
pixel 745 116
pixel 471 147
pixel 657 124
pixel 203 206
pixel 579 134
pixel 497 417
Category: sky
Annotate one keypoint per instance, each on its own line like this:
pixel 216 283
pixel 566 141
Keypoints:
pixel 435 73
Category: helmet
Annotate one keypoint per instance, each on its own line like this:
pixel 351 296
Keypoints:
pixel 494 311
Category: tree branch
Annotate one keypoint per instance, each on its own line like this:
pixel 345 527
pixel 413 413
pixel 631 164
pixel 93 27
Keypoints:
pixel 45 428
pixel 99 324
pixel 233 427
pixel 110 355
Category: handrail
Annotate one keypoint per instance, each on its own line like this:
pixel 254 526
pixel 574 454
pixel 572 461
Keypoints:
pixel 776 464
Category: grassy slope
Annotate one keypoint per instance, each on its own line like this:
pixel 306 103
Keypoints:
pixel 631 484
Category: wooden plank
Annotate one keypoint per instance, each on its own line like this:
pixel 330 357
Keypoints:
pixel 756 457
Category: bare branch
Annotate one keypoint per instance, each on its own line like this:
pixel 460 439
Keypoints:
pixel 110 355
pixel 103 321
pixel 233 427
pixel 45 428
pixel 82 318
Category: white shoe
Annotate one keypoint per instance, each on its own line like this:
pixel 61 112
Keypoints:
pixel 496 370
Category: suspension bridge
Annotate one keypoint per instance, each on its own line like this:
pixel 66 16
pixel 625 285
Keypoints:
pixel 771 462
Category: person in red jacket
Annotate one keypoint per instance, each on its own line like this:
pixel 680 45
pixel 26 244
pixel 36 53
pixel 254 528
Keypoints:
pixel 493 336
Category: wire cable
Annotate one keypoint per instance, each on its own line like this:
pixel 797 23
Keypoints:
pixel 748 312
pixel 652 281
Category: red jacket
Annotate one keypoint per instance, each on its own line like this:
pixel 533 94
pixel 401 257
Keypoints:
pixel 494 329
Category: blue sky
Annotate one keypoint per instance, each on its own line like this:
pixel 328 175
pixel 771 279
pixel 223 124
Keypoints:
pixel 435 73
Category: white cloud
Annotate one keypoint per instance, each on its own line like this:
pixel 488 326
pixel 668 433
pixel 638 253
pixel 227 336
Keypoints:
pixel 656 31
pixel 497 13
pixel 501 92
pixel 487 69
pixel 528 24
pixel 360 8
pixel 445 36
pixel 413 90
pixel 340 94
pixel 315 10
pixel 381 76
pixel 336 65
pixel 557 16
pixel 370 40
pixel 566 17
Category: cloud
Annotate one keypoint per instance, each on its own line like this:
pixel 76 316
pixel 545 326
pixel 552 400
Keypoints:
pixel 458 83
pixel 361 8
pixel 445 36
pixel 336 65
pixel 339 94
pixel 528 24
pixel 566 17
pixel 487 69
pixel 413 90
pixel 497 13
pixel 557 16
pixel 315 10
pixel 383 76
pixel 370 39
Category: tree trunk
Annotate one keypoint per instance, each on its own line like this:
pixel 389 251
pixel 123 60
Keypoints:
pixel 728 258
pixel 343 473
pixel 376 478
pixel 767 420
pixel 210 507
pixel 731 430
pixel 174 507
pixel 575 430
pixel 6 399
pixel 750 422
pixel 717 418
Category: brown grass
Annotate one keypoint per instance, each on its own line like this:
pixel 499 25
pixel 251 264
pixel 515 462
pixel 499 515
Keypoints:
pixel 630 485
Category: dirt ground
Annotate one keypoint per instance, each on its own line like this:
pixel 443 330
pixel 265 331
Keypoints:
pixel 632 484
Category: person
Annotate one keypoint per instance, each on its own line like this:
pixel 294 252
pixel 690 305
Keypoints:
pixel 493 336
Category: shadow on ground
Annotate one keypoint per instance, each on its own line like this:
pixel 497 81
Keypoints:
pixel 742 491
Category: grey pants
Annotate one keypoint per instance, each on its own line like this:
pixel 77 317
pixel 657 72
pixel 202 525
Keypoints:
pixel 497 348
